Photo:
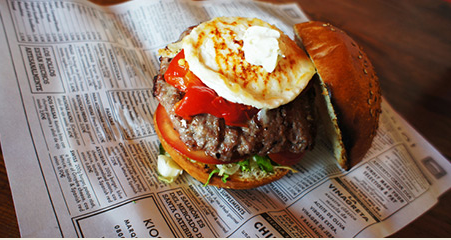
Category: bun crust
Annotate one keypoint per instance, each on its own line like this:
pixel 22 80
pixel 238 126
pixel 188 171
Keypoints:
pixel 349 85
pixel 201 171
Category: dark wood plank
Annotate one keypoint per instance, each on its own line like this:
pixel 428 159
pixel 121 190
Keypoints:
pixel 8 220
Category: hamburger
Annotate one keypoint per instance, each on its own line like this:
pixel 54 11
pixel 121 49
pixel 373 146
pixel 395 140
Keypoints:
pixel 240 101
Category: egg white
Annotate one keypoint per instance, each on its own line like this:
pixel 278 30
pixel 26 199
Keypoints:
pixel 214 52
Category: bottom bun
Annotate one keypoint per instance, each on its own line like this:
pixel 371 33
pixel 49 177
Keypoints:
pixel 201 171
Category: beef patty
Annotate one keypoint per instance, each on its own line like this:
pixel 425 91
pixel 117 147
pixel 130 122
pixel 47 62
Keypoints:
pixel 290 127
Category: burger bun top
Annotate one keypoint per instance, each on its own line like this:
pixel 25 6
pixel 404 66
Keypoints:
pixel 349 87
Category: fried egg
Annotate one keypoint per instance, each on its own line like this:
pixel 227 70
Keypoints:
pixel 272 76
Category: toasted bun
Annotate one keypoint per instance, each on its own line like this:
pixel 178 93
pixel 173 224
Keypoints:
pixel 349 86
pixel 201 171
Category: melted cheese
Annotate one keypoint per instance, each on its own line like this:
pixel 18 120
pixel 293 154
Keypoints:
pixel 214 52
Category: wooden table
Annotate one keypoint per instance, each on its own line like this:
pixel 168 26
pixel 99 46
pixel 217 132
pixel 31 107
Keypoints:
pixel 409 43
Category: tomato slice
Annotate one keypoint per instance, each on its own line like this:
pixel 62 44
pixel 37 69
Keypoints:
pixel 172 137
pixel 286 158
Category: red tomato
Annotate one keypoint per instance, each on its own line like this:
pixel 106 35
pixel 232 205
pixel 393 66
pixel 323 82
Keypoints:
pixel 179 75
pixel 234 114
pixel 172 137
pixel 197 100
pixel 286 158
pixel 200 99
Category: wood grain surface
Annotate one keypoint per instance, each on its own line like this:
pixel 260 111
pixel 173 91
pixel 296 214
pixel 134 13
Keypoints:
pixel 409 43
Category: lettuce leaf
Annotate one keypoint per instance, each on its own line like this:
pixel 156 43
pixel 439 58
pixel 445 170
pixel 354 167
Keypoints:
pixel 264 163
pixel 211 175
pixel 244 165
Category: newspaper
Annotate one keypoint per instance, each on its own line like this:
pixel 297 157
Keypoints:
pixel 80 148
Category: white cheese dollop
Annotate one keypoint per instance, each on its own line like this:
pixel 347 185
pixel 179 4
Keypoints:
pixel 261 47
pixel 168 169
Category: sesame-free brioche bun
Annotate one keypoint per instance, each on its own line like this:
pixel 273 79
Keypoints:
pixel 349 87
